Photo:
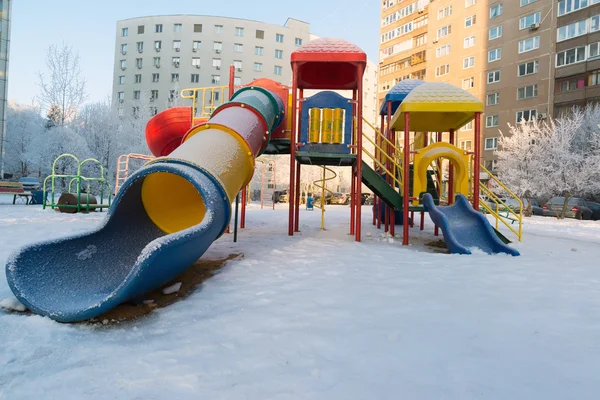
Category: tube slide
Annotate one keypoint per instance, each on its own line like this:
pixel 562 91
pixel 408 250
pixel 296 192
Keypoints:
pixel 163 219
pixel 464 228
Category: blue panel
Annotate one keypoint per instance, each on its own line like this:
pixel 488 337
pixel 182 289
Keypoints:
pixel 465 228
pixel 398 93
pixel 326 99
pixel 80 277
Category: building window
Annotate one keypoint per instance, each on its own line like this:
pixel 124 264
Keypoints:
pixel 442 51
pixel 217 63
pixel 123 64
pixel 495 33
pixel 138 78
pixel 177 45
pixel 238 47
pixel 259 51
pixel 593 50
pixel 237 80
pixel 420 40
pixel 125 32
pixel 469 3
pixel 195 78
pixel 571 84
pixel 136 111
pixel 216 79
pixel 279 54
pixel 140 47
pixel 239 31
pixel 278 70
pixel 575 29
pixel 298 42
pixel 468 62
pixel 571 56
pixel 260 34
pixel 196 62
pixel 154 94
pixel 122 80
pixel 494 55
pixel 258 67
pixel 155 78
pixel 218 29
pixel 153 110
pixel 528 20
pixel 140 29
pixel 492 99
pixel 156 62
pixel 568 6
pixel 467 127
pixel 217 47
pixel 470 21
pixel 444 12
pixel 468 83
pixel 177 28
pixel 176 61
pixel 444 31
pixel 157 45
pixel 174 78
pixel 196 45
pixel 491 143
pixel 158 28
pixel 237 64
pixel 139 63
pixel 279 38
pixel 496 11
pixel 528 68
pixel 172 95
pixel 137 95
pixel 526 115
pixel 469 42
pixel 529 44
pixel 527 92
pixel 124 49
pixel 493 76
pixel 121 96
pixel 491 121
pixel 527 2
pixel 466 145
pixel 197 28
pixel 442 70
pixel 594 78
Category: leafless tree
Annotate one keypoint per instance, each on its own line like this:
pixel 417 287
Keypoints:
pixel 64 86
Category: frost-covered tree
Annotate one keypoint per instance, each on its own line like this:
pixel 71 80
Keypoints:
pixel 23 124
pixel 64 86
pixel 54 117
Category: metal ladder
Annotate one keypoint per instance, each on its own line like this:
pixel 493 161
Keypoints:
pixel 268 183
pixel 123 167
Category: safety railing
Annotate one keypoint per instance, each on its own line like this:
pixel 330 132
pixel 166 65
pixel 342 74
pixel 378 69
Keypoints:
pixel 498 209
pixel 382 156
pixel 208 97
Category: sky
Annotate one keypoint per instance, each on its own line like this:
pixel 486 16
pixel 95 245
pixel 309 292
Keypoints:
pixel 90 28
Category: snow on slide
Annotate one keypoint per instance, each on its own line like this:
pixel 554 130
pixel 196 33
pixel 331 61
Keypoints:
pixel 464 228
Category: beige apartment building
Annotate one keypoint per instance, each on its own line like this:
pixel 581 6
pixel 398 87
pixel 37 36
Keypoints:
pixel 501 51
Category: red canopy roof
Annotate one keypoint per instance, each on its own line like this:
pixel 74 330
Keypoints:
pixel 327 63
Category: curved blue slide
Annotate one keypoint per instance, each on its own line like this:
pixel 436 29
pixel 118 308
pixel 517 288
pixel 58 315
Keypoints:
pixel 80 277
pixel 464 228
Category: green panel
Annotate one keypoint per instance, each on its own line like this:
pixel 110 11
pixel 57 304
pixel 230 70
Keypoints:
pixel 330 159
pixel 380 187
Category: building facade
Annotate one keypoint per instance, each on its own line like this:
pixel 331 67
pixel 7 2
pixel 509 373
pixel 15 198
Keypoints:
pixel 158 56
pixel 502 52
pixel 577 58
pixel 5 9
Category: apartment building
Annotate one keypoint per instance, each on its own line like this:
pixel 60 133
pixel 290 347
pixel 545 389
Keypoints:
pixel 157 56
pixel 577 58
pixel 5 10
pixel 500 51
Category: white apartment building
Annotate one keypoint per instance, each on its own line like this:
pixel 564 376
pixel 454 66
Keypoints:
pixel 158 56
pixel 5 9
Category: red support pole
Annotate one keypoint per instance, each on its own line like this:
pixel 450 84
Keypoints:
pixel 451 173
pixel 352 200
pixel 422 220
pixel 477 161
pixel 359 125
pixel 425 139
pixel 393 182
pixel 353 175
pixel 293 149
pixel 388 165
pixel 405 183
pixel 436 231
pixel 297 199
pixel 412 219
pixel 244 202
pixel 231 90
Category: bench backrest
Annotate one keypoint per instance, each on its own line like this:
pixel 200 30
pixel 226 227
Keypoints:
pixel 11 187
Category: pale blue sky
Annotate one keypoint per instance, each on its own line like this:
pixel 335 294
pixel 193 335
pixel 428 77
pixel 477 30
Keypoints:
pixel 90 26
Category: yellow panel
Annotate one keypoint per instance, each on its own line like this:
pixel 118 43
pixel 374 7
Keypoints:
pixel 314 127
pixel 338 125
pixel 172 202
pixel 459 159
pixel 419 140
pixel 327 125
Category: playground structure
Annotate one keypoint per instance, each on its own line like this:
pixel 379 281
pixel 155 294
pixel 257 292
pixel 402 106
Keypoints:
pixel 268 182
pixel 123 167
pixel 181 200
pixel 72 201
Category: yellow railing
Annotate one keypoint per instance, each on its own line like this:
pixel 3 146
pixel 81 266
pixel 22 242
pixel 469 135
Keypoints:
pixel 321 184
pixel 500 207
pixel 382 157
pixel 210 99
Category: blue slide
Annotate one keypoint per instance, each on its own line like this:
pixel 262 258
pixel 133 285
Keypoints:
pixel 464 228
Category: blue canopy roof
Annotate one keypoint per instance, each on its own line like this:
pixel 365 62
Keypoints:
pixel 397 94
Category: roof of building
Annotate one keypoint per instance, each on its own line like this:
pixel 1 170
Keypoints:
pixel 397 94
pixel 437 107
pixel 328 63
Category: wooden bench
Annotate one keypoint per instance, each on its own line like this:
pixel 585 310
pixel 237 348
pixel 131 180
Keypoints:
pixel 16 189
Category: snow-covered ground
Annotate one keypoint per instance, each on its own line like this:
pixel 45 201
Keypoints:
pixel 318 316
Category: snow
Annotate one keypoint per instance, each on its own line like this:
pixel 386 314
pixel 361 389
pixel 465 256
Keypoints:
pixel 318 316
pixel 174 288
pixel 12 304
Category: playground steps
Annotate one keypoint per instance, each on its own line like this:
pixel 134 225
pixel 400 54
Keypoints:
pixel 380 187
